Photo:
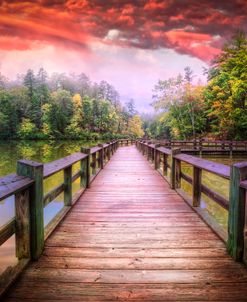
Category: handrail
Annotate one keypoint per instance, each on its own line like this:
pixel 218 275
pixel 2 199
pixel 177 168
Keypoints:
pixel 27 187
pixel 201 145
pixel 207 165
pixel 62 163
pixel 13 183
pixel 236 204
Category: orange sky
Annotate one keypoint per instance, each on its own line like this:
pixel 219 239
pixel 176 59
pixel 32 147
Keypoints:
pixel 128 43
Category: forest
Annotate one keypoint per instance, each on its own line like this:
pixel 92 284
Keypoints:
pixel 217 110
pixel 61 106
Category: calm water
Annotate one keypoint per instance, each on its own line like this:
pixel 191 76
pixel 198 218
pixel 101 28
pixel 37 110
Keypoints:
pixel 44 152
pixel 216 183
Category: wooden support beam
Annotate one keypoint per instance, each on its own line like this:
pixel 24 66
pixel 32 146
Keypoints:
pixel 68 186
pixel 101 156
pixel 34 171
pixel 165 164
pixel 22 224
pixel 173 168
pixel 93 164
pixel 196 186
pixel 177 174
pixel 85 167
pixel 156 157
pixel 237 240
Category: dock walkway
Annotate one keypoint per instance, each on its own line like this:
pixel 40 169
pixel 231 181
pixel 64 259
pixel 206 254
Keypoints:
pixel 131 238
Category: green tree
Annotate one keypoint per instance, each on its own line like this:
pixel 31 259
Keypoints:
pixel 27 130
pixel 8 115
pixel 62 110
pixel 225 94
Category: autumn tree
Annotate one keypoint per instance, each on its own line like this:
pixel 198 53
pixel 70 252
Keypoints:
pixel 225 94
pixel 135 127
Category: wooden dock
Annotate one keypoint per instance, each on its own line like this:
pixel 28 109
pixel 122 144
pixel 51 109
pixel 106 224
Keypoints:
pixel 130 237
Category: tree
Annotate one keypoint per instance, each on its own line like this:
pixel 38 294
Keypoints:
pixel 130 106
pixel 27 130
pixel 42 89
pixel 62 109
pixel 108 92
pixel 74 129
pixel 135 127
pixel 184 103
pixel 225 94
pixel 8 116
pixel 29 82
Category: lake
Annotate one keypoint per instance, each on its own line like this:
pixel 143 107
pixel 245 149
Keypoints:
pixel 44 151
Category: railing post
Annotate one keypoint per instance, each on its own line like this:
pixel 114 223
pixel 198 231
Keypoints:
pixel 156 157
pixel 108 150
pixel 196 186
pixel 143 149
pixel 230 148
pixel 236 220
pixel 173 168
pixel 22 224
pixel 68 186
pixel 152 155
pixel 86 170
pixel 101 155
pixel 165 164
pixel 34 171
pixel 148 151
pixel 93 164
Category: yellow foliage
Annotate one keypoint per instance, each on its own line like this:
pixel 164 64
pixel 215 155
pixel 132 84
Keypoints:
pixel 135 126
pixel 77 101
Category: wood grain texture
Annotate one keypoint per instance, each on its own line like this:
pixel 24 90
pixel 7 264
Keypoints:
pixel 131 238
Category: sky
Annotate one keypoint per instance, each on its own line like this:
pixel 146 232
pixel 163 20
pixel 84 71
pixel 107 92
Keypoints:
pixel 130 44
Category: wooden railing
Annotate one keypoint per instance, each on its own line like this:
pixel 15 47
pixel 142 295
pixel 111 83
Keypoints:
pixel 126 142
pixel 27 188
pixel 204 145
pixel 168 162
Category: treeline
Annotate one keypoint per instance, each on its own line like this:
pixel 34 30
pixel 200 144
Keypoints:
pixel 36 106
pixel 216 110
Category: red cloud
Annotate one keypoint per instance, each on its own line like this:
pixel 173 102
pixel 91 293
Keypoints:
pixel 188 27
pixel 153 5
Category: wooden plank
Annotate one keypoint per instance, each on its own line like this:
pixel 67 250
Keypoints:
pixel 135 276
pixel 130 292
pixel 76 175
pixel 62 163
pixel 12 184
pixel 164 150
pixel 138 263
pixel 98 252
pixel 50 196
pixel 219 199
pixel 7 230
